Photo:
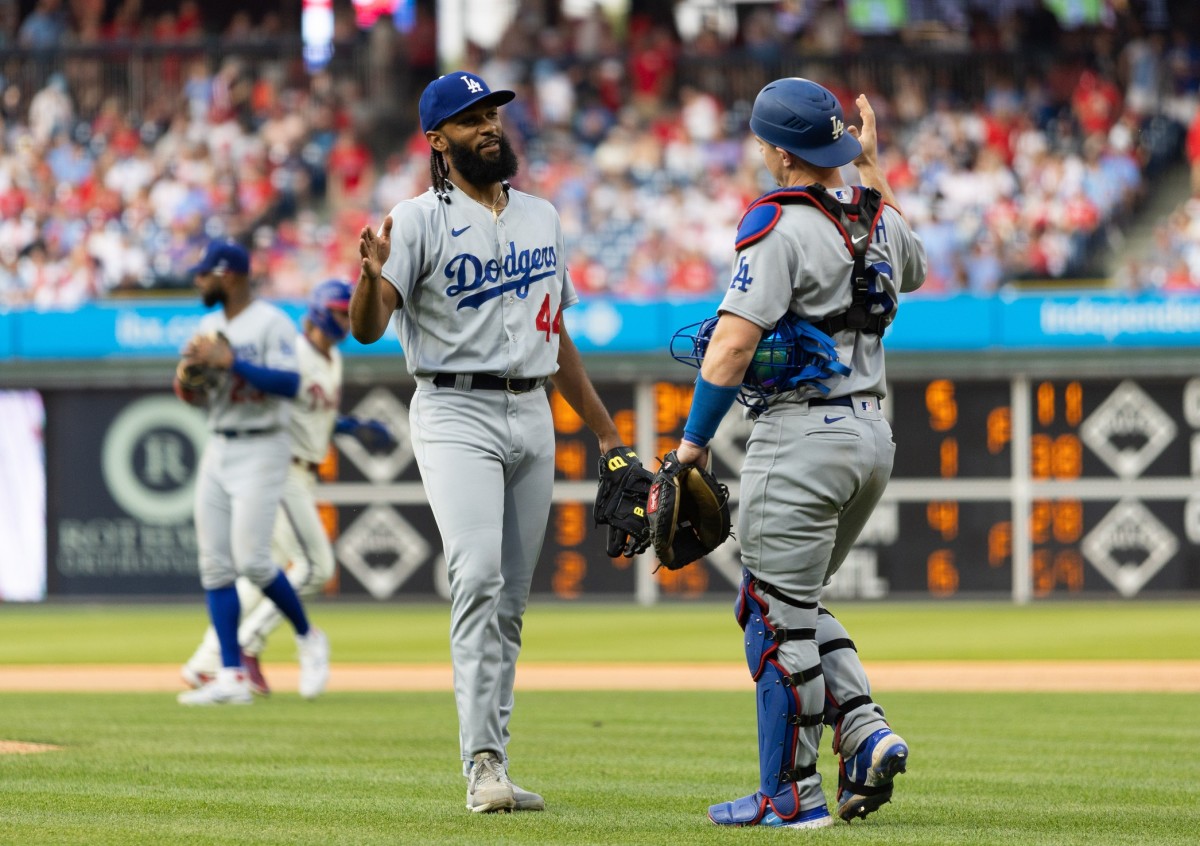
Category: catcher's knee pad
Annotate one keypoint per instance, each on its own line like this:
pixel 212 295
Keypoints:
pixel 788 697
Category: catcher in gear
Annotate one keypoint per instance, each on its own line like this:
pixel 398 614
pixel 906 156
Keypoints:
pixel 835 257
pixel 621 502
pixel 688 511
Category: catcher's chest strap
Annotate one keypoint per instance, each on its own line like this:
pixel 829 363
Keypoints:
pixel 856 221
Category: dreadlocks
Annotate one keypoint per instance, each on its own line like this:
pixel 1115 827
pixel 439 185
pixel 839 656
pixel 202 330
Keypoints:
pixel 438 171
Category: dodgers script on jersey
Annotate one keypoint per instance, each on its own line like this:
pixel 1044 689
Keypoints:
pixel 315 408
pixel 261 334
pixel 819 270
pixel 453 264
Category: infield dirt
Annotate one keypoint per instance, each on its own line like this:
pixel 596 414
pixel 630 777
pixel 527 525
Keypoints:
pixel 962 676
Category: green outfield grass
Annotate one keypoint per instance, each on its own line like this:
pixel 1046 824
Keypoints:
pixel 615 767
pixel 364 632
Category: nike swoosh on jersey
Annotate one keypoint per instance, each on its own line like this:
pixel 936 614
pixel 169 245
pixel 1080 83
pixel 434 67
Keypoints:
pixel 454 233
pixel 829 419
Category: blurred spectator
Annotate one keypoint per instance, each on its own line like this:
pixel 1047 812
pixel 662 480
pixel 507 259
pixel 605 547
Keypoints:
pixel 51 110
pixel 1193 151
pixel 45 27
pixel 1030 166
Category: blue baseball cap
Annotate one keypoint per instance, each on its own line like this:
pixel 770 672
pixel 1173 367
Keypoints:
pixel 448 95
pixel 223 256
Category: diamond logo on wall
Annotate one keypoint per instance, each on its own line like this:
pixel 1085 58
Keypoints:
pixel 1129 546
pixel 1128 430
pixel 382 550
pixel 380 404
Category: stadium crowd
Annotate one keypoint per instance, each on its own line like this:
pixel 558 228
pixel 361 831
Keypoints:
pixel 1034 174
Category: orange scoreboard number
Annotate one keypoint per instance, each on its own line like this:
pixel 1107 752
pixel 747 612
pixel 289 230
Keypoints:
pixel 1056 452
pixel 950 430
pixel 574 545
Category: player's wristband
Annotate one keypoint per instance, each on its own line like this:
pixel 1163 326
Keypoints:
pixel 709 405
pixel 284 383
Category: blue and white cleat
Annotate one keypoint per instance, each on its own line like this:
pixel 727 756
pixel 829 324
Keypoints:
pixel 865 780
pixel 757 809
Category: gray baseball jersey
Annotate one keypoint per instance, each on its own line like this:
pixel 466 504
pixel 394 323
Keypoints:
pixel 479 295
pixel 482 294
pixel 299 543
pixel 261 334
pixel 242 473
pixel 807 249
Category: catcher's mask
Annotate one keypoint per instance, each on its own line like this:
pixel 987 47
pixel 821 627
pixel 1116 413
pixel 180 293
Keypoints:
pixel 331 295
pixel 791 354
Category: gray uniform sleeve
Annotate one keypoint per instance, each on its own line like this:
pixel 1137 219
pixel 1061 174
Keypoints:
pixel 913 266
pixel 761 287
pixel 407 262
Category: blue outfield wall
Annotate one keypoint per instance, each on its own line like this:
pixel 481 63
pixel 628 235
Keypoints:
pixel 157 329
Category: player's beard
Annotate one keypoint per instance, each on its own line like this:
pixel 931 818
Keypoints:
pixel 212 297
pixel 479 171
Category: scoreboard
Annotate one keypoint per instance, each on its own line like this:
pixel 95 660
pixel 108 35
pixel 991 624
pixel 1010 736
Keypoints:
pixel 1004 486
pixel 1030 488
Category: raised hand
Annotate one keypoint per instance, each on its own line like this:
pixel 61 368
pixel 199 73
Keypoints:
pixel 866 136
pixel 375 247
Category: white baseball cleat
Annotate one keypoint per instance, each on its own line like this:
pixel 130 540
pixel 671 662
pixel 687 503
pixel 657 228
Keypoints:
pixel 226 689
pixel 314 662
pixel 194 677
pixel 527 800
pixel 488 787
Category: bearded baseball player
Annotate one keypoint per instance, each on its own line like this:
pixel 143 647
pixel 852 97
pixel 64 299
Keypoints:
pixel 241 366
pixel 832 259
pixel 478 284
pixel 300 544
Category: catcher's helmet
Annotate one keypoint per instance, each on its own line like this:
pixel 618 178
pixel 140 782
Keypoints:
pixel 331 295
pixel 792 354
pixel 805 119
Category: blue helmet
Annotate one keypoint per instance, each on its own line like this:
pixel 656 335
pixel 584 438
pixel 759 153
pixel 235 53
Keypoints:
pixel 805 119
pixel 791 355
pixel 326 297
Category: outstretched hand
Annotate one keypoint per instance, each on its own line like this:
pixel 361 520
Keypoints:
pixel 375 247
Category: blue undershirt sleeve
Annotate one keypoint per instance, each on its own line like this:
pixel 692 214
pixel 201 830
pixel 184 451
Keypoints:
pixel 709 405
pixel 284 383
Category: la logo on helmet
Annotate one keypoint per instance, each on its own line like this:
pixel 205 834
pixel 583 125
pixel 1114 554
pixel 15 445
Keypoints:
pixel 474 87
pixel 839 128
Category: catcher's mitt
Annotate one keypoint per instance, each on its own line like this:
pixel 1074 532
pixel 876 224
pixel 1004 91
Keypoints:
pixel 621 502
pixel 688 511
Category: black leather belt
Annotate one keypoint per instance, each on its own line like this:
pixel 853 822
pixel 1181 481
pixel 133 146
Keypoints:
pixel 245 433
pixel 310 466
pixel 488 382
pixel 844 402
